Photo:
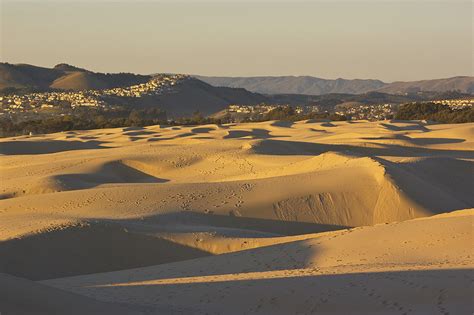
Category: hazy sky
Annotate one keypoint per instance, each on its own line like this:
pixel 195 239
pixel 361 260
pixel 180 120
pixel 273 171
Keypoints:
pixel 388 40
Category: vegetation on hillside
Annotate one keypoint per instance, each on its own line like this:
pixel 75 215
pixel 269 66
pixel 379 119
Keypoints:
pixel 436 112
pixel 288 113
pixel 135 118
pixel 154 116
pixel 83 121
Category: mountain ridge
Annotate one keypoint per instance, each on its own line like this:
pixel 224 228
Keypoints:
pixel 67 77
pixel 63 77
pixel 310 85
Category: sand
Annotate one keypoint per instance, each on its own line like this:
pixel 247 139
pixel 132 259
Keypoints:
pixel 269 218
pixel 421 266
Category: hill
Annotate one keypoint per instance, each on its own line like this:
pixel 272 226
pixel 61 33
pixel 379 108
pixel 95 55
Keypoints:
pixel 317 86
pixel 176 97
pixel 462 84
pixel 295 84
pixel 182 95
pixel 62 77
pixel 192 95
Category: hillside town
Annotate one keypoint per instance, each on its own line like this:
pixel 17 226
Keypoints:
pixel 263 109
pixel 64 102
pixel 161 83
pixel 457 103
pixel 354 112
pixel 369 112
pixel 60 100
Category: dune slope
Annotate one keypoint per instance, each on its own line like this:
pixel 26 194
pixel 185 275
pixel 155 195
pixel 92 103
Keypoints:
pixel 21 296
pixel 271 218
pixel 214 189
pixel 422 266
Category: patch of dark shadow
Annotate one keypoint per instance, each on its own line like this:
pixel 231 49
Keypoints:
pixel 175 128
pixel 136 138
pixel 202 130
pixel 26 297
pixel 403 121
pixel 316 120
pixel 183 135
pixel 318 130
pixel 428 141
pixel 226 126
pixel 243 223
pixel 381 292
pixel 283 124
pixel 256 133
pixel 8 195
pixel 418 141
pixel 139 133
pixel 281 147
pixel 147 227
pixel 20 147
pixel 85 249
pixel 328 124
pixel 133 128
pixel 391 137
pixel 439 184
pixel 415 127
pixel 111 173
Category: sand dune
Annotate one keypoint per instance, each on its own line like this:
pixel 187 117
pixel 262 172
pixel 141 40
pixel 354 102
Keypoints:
pixel 85 202
pixel 82 248
pixel 21 296
pixel 421 266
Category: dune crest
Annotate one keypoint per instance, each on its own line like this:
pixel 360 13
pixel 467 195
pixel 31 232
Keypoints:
pixel 315 272
pixel 285 217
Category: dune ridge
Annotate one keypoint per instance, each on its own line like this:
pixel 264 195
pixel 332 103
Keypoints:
pixel 261 205
pixel 312 274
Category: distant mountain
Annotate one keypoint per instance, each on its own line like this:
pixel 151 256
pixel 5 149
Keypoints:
pixel 462 84
pixel 63 77
pixel 316 86
pixel 212 94
pixel 295 85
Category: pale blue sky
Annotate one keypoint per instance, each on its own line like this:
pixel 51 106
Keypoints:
pixel 388 40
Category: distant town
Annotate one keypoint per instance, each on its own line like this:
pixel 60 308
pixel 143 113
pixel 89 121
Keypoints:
pixel 41 104
pixel 37 102
pixel 355 111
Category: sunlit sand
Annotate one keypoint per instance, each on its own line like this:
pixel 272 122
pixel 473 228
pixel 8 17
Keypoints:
pixel 269 218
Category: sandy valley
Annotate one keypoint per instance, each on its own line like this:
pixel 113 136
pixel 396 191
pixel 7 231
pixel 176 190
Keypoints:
pixel 259 218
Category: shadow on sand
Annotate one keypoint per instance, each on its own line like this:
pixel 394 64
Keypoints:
pixel 389 292
pixel 418 141
pixel 282 124
pixel 281 147
pixel 277 227
pixel 19 147
pixel 111 173
pixel 255 133
pixel 108 245
pixel 84 249
pixel 411 127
